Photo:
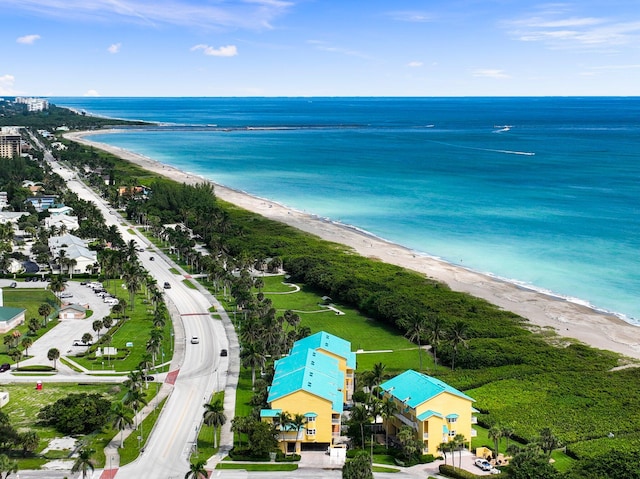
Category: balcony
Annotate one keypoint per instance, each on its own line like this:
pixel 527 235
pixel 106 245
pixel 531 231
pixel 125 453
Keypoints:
pixel 335 420
pixel 474 433
pixel 425 435
pixel 474 420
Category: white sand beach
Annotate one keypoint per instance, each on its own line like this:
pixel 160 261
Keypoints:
pixel 569 319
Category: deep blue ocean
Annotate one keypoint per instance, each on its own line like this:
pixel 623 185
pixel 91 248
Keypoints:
pixel 541 191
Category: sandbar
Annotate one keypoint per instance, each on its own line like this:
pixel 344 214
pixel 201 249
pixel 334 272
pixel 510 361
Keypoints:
pixel 570 320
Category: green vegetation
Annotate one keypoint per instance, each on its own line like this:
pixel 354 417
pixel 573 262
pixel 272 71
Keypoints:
pixel 131 449
pixel 258 467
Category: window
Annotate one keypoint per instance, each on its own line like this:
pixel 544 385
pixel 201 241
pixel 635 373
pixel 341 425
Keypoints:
pixel 311 432
pixel 452 433
pixel 452 419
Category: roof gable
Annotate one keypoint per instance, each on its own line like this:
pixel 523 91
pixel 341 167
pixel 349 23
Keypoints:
pixel 413 388
pixel 333 344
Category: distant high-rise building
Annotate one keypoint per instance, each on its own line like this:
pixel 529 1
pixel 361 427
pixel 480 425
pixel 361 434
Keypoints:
pixel 33 104
pixel 9 142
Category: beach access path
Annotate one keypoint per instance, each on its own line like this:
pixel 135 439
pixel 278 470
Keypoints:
pixel 568 319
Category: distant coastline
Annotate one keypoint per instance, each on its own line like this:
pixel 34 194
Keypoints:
pixel 568 318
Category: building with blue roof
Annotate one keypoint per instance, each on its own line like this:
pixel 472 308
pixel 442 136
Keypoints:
pixel 436 411
pixel 310 382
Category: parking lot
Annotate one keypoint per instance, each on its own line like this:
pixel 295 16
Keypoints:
pixel 63 336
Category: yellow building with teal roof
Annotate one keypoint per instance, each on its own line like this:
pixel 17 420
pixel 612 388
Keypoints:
pixel 311 381
pixel 436 411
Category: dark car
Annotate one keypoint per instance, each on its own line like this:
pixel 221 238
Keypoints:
pixel 167 285
pixel 149 378
pixel 223 352
pixel 5 367
pixel 151 258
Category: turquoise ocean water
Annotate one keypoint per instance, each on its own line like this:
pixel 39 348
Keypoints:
pixel 540 191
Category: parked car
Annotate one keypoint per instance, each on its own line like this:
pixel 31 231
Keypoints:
pixel 223 352
pixel 149 378
pixel 112 301
pixel 483 464
pixel 167 285
pixel 79 342
pixel 66 295
pixel 13 285
pixel 5 367
pixel 194 340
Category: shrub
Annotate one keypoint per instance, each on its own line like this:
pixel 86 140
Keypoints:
pixel 456 473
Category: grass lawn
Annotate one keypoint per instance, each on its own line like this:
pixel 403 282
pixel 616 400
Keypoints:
pixel 131 450
pixel 244 393
pixel 362 332
pixel 258 467
pixel 205 436
pixel 30 299
pixel 136 330
pixel 189 284
pixel 26 403
pixel 384 469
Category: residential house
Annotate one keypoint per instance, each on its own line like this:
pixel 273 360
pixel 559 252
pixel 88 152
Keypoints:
pixel 61 210
pixel 42 203
pixel 435 411
pixel 310 382
pixel 10 317
pixel 62 222
pixel 75 250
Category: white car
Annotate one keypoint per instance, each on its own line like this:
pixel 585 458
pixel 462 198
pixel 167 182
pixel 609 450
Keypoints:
pixel 66 295
pixel 483 464
pixel 195 340
pixel 111 301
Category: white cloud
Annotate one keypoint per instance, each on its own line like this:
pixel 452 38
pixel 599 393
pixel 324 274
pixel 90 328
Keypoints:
pixel 28 39
pixel 91 93
pixel 248 14
pixel 325 47
pixel 411 16
pixel 559 29
pixel 490 73
pixel 115 48
pixel 6 85
pixel 414 64
pixel 225 51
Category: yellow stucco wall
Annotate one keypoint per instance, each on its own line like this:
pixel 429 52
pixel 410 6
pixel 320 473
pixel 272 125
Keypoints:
pixel 301 402
pixel 444 404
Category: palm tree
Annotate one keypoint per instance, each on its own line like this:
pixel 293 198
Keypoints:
pixel 135 398
pixel 495 433
pixel 197 471
pixel 297 421
pixel 120 419
pixel 44 310
pixel 214 416
pixel 57 284
pixel 507 433
pixel 416 326
pixel 26 342
pixel 7 465
pixel 458 443
pixel 388 408
pixel 547 441
pixel 436 332
pixel 457 336
pixel 359 417
pixel 15 355
pixel 84 462
pixel 377 375
pixel 253 356
pixel 97 326
pixel 444 447
pixel 52 355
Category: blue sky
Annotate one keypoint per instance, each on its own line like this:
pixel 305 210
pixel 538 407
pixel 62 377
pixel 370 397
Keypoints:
pixel 319 47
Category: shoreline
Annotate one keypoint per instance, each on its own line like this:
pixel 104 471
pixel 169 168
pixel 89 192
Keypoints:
pixel 569 319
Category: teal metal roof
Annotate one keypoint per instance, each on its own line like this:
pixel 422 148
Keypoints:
pixel 270 412
pixel 311 371
pixel 310 414
pixel 452 416
pixel 307 358
pixel 413 388
pixel 7 313
pixel 427 414
pixel 328 342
